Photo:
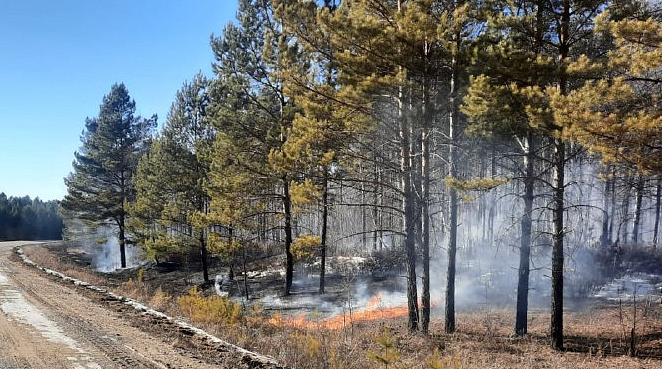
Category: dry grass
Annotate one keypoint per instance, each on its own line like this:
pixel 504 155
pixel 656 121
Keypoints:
pixel 595 338
pixel 46 259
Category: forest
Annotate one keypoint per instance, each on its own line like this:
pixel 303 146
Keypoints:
pixel 23 218
pixel 427 133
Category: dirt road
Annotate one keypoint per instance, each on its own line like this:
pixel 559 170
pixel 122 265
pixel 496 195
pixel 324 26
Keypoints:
pixel 45 324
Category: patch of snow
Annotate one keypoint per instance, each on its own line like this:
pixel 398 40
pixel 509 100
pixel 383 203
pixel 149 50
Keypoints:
pixel 266 273
pixel 355 260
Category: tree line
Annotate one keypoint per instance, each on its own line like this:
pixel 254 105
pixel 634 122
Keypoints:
pixel 370 125
pixel 23 218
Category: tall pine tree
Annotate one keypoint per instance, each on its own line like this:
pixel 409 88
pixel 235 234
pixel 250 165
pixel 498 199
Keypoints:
pixel 172 202
pixel 251 174
pixel 101 185
pixel 618 115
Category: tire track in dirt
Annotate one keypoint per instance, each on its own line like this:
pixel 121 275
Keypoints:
pixel 87 335
pixel 198 347
pixel 83 331
pixel 30 337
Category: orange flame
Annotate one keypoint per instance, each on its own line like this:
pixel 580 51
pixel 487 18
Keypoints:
pixel 374 301
pixel 373 311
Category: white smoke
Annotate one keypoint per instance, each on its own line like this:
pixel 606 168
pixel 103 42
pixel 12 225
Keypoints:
pixel 219 283
pixel 107 258
pixel 101 243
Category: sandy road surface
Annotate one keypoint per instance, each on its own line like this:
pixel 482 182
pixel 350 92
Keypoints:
pixel 45 324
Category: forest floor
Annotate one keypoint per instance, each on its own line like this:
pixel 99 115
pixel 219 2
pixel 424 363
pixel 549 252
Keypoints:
pixel 305 331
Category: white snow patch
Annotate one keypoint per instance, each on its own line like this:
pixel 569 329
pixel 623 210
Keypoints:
pixel 265 273
pixel 342 264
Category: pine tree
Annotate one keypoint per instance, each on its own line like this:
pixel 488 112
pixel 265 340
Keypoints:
pixel 100 186
pixel 393 59
pixel 497 114
pixel 618 115
pixel 253 116
pixel 459 40
pixel 541 39
pixel 372 60
pixel 500 106
pixel 322 133
pixel 172 203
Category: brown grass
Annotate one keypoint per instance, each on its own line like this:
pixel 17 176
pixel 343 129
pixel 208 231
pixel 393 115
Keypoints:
pixel 46 259
pixel 595 338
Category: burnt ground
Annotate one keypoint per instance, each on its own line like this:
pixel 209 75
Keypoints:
pixel 348 280
pixel 596 337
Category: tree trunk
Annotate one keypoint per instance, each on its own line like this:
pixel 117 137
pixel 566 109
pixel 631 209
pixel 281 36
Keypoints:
pixel 626 209
pixel 637 208
pixel 376 216
pixel 364 227
pixel 658 197
pixel 558 173
pixel 409 221
pixel 325 216
pixel 408 192
pixel 203 252
pixel 425 202
pixel 556 326
pixel 417 179
pixel 613 205
pixel 452 195
pixel 122 242
pixel 604 235
pixel 245 272
pixel 122 216
pixel 287 209
pixel 525 241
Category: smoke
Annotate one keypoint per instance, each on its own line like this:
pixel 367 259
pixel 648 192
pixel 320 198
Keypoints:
pixel 631 286
pixel 489 238
pixel 488 256
pixel 101 243
pixel 220 284
pixel 106 255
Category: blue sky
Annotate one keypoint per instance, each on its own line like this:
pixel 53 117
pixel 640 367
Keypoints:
pixel 58 58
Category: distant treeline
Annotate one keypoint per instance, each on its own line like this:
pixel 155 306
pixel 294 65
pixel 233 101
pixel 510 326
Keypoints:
pixel 22 218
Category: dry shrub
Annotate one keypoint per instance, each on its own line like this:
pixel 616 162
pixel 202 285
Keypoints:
pixel 214 309
pixel 307 347
pixel 131 289
pixel 160 300
pixel 438 361
pixel 138 290
pixel 42 257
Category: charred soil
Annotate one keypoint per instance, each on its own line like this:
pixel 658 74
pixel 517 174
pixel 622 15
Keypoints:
pixel 291 330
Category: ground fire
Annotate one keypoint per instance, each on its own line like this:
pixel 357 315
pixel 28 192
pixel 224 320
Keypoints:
pixel 375 309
